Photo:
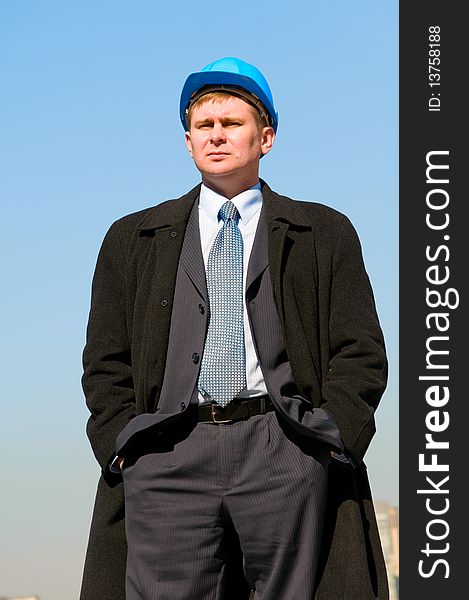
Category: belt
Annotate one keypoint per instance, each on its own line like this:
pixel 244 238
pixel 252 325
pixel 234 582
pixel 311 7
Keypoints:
pixel 234 411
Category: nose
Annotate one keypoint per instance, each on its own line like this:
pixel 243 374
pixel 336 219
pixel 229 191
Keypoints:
pixel 217 134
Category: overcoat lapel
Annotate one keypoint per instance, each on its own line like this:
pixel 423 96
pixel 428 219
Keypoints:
pixel 167 224
pixel 282 216
pixel 293 268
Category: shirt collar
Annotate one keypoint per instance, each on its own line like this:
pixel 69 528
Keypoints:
pixel 247 203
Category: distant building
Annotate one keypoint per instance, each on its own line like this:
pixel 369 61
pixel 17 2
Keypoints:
pixel 19 598
pixel 388 526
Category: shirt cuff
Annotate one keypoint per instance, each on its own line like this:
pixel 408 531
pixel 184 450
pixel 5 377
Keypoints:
pixel 114 466
pixel 342 458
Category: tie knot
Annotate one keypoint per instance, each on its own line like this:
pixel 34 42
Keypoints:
pixel 229 211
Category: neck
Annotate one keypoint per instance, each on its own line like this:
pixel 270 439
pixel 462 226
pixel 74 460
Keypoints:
pixel 230 189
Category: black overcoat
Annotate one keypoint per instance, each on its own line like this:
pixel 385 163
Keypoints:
pixel 334 344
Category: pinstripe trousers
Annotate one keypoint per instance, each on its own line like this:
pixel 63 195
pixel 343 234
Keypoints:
pixel 185 487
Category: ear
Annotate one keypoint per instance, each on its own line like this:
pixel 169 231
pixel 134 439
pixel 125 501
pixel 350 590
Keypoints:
pixel 267 139
pixel 188 141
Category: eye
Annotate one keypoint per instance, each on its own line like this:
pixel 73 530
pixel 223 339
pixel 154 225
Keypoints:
pixel 203 125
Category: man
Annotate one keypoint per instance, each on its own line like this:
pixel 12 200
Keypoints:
pixel 233 364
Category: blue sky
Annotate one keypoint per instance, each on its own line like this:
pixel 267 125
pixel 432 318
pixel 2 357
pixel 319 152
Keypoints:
pixel 89 131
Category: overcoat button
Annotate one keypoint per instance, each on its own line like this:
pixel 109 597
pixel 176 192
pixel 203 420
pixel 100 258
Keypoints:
pixel 183 406
pixel 164 303
pixel 174 233
pixel 201 309
pixel 195 358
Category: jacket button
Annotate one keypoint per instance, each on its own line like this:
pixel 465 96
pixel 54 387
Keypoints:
pixel 164 303
pixel 195 358
pixel 201 309
pixel 173 234
pixel 183 406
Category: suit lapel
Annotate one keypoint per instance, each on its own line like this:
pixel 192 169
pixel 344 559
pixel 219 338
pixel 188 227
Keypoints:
pixel 192 260
pixel 259 259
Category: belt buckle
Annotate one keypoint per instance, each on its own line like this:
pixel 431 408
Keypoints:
pixel 214 420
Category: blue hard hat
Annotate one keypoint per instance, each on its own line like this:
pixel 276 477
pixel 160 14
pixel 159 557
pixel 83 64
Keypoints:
pixel 229 73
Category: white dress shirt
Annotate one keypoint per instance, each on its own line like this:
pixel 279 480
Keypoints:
pixel 249 204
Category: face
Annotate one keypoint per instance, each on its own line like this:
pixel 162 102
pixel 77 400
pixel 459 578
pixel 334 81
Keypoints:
pixel 226 143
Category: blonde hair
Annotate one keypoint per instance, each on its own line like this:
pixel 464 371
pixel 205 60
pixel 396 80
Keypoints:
pixel 219 97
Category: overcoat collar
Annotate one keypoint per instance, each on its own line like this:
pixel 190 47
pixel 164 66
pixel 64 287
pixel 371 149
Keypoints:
pixel 171 213
pixel 278 210
pixel 281 210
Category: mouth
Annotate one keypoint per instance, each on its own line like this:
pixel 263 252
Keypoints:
pixel 217 154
